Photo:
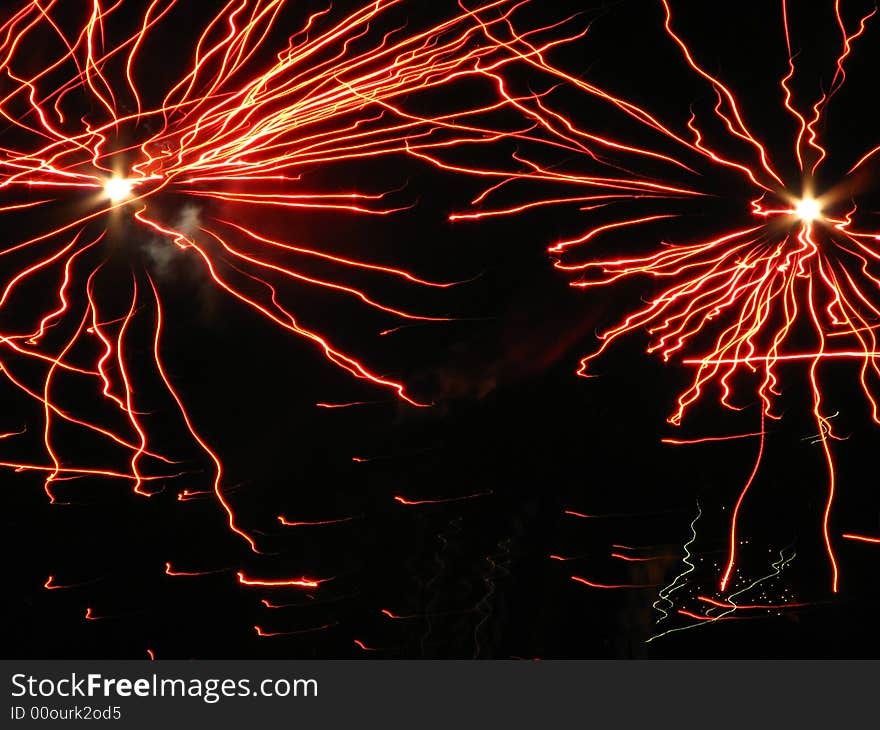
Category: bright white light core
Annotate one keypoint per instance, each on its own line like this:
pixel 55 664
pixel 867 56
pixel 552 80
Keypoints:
pixel 117 189
pixel 808 210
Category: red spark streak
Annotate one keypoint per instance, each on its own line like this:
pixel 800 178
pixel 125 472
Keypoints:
pixel 269 604
pixel 181 573
pixel 862 538
pixel 187 496
pixel 284 521
pixel 50 585
pixel 769 287
pixel 631 559
pixel 269 634
pixel 396 617
pixel 281 583
pixel 593 584
pixel 262 633
pixel 415 502
pixel 736 508
pixel 700 617
pixel 728 605
pixel 345 405
pixel 710 439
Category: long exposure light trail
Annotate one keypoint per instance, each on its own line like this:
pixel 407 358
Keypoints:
pixel 790 279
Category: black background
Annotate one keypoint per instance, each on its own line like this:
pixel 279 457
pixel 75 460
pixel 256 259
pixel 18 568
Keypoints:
pixel 509 417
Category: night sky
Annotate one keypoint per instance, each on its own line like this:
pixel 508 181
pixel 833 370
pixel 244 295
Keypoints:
pixel 511 428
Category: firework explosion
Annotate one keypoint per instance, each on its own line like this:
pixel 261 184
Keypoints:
pixel 756 265
pixel 97 151
pixel 749 261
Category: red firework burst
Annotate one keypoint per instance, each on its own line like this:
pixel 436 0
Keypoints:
pixel 791 277
pixel 98 146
